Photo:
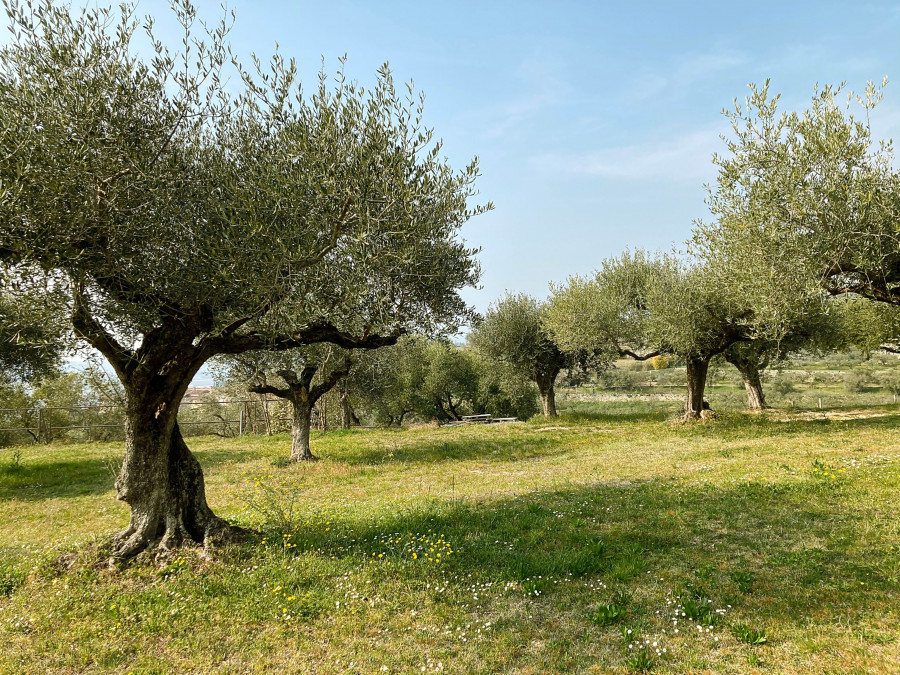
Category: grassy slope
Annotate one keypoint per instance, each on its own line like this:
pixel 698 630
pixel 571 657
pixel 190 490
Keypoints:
pixel 789 527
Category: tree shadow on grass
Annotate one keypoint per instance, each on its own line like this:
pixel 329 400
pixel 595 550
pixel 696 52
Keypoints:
pixel 493 448
pixel 38 480
pixel 784 551
pixel 45 476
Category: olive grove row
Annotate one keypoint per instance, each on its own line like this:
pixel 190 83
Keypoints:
pixel 180 208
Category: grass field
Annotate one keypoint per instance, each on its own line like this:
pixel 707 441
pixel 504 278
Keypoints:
pixel 612 542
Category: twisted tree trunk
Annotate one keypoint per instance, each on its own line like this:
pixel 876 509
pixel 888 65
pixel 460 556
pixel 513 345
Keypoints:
pixel 161 480
pixel 163 484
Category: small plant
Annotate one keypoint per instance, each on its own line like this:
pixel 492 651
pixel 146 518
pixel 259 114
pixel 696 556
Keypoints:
pixel 630 633
pixel 274 503
pixel 622 598
pixel 744 581
pixel 534 586
pixel 822 470
pixel 608 614
pixel 641 662
pixel 11 579
pixel 15 460
pixel 629 565
pixel 699 610
pixel 748 635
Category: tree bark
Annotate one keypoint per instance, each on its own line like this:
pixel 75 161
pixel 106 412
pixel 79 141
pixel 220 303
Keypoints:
pixel 162 483
pixel 300 426
pixel 756 399
pixel 545 382
pixel 348 417
pixel 697 367
pixel 749 369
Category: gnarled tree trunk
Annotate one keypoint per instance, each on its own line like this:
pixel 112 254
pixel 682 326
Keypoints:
pixel 697 368
pixel 161 480
pixel 545 382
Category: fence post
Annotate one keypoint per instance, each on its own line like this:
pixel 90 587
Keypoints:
pixel 241 422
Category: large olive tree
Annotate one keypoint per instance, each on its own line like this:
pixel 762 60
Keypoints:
pixel 189 219
pixel 807 199
pixel 639 305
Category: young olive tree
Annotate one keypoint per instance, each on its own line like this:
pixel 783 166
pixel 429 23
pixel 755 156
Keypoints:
pixel 189 222
pixel 512 333
pixel 292 376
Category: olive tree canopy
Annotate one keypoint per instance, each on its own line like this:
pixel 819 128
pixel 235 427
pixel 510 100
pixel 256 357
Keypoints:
pixel 640 305
pixel 189 221
pixel 512 333
pixel 808 198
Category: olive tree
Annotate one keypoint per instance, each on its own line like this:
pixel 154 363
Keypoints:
pixel 435 380
pixel 640 306
pixel 809 194
pixel 300 376
pixel 819 326
pixel 387 383
pixel 512 333
pixel 188 219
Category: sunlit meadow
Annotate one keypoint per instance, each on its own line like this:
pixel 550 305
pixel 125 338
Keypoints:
pixel 615 541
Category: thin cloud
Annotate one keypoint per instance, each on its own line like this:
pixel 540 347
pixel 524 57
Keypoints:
pixel 679 77
pixel 687 157
pixel 543 88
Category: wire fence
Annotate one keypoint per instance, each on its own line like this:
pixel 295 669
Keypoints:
pixel 107 422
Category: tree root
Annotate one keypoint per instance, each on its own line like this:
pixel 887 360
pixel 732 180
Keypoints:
pixel 129 544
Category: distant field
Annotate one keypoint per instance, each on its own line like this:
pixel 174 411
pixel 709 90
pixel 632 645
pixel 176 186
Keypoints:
pixel 749 544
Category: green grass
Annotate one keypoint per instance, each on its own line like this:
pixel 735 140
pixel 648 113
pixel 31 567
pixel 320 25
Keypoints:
pixel 777 536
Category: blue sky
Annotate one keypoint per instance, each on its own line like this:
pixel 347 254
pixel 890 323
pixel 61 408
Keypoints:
pixel 594 122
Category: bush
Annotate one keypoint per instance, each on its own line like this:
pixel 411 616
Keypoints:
pixel 855 382
pixel 783 385
pixel 660 362
pixel 891 382
pixel 618 379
